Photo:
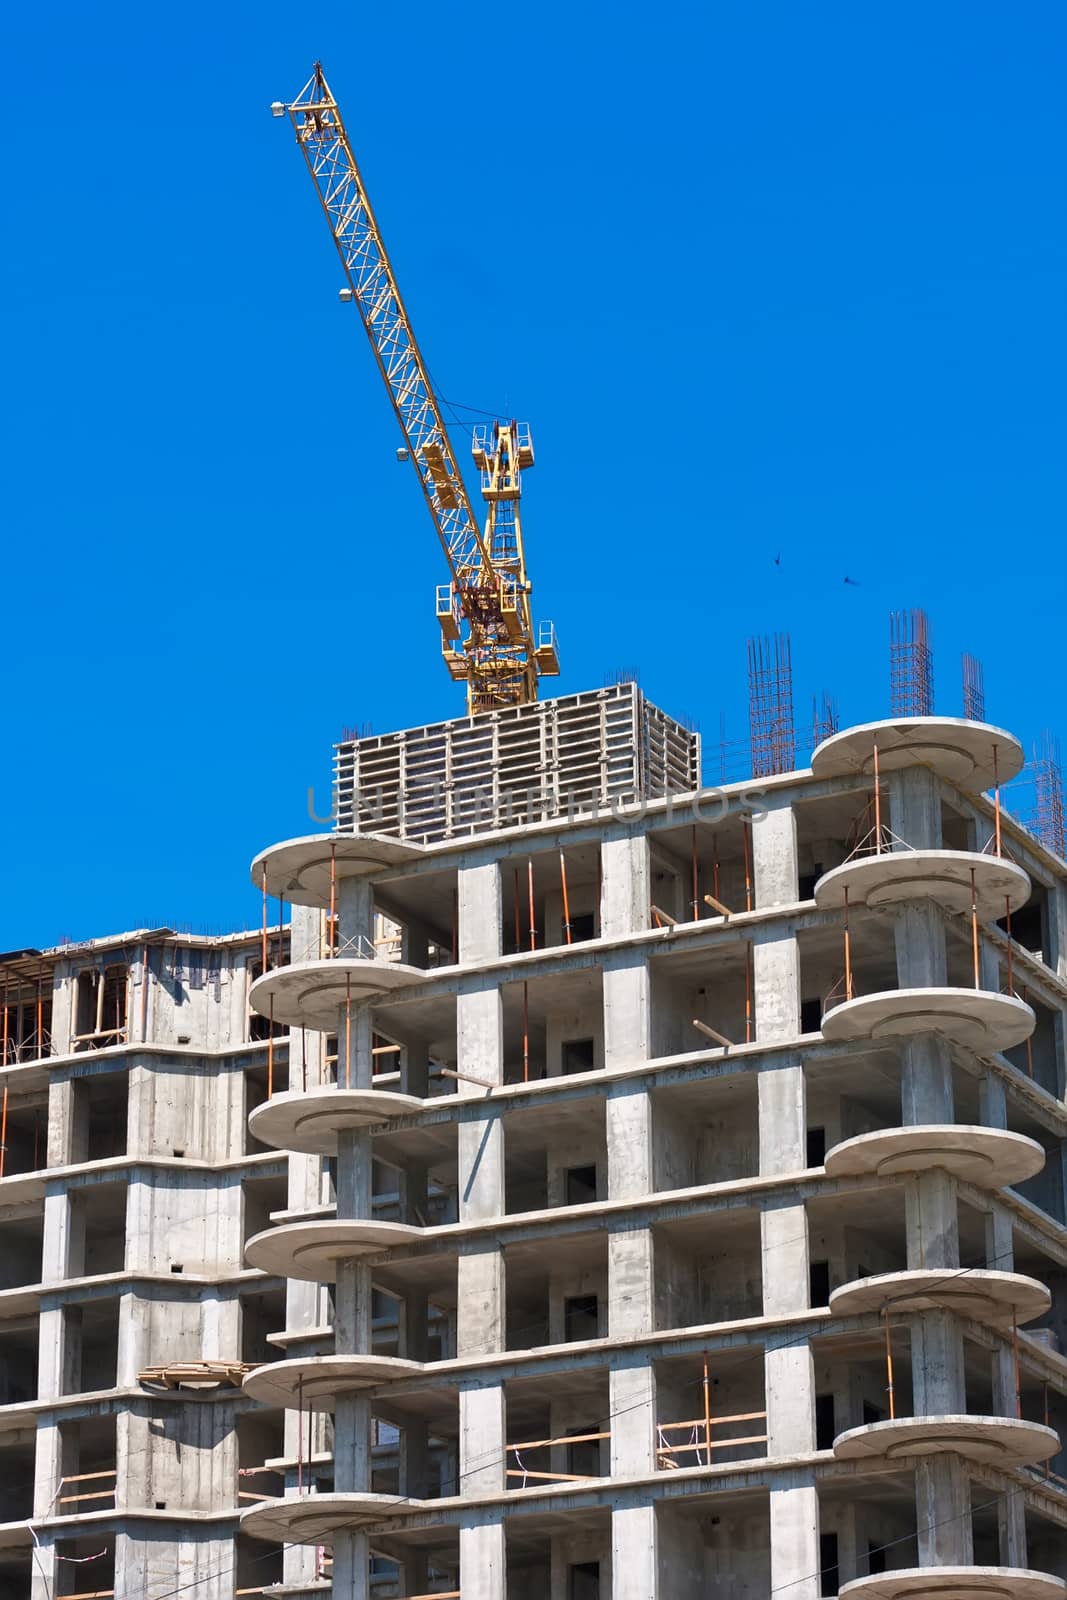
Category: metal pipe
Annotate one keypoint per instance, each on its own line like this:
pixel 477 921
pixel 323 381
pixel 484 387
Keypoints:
pixel 974 930
pixel 270 1050
pixel 99 1004
pixel 890 1386
pixel 264 950
pixel 144 997
pixel 1007 930
pixel 848 952
pixel 696 877
pixel 530 881
pixel 526 1033
pixel 40 1016
pixel 877 805
pixel 746 840
pixel 348 1030
pixel 4 1058
pixel 748 992
pixel 3 1134
pixel 996 799
pixel 707 1413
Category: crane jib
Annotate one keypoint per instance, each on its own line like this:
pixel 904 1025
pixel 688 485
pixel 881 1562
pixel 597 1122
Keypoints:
pixel 499 656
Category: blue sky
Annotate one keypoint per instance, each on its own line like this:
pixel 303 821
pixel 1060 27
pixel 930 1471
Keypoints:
pixel 765 280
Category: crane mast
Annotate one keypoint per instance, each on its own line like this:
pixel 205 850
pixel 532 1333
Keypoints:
pixel 487 631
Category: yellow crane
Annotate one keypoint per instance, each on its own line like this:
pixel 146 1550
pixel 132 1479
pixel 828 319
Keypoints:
pixel 487 631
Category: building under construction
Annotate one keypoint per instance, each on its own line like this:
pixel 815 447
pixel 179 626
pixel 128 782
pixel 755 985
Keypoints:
pixel 653 1192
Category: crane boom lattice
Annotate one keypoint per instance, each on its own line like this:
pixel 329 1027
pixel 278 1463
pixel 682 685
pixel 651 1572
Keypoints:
pixel 488 636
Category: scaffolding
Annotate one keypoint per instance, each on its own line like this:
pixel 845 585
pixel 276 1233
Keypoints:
pixel 911 665
pixel 772 735
pixel 973 689
pixel 1048 787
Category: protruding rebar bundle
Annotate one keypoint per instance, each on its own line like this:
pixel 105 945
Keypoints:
pixel 973 689
pixel 1048 785
pixel 911 665
pixel 770 706
pixel 825 721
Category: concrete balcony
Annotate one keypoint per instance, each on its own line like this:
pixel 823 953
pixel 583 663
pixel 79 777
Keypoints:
pixel 312 1251
pixel 990 1441
pixel 956 1583
pixel 957 880
pixel 990 1158
pixel 317 1382
pixel 977 1019
pixel 314 1518
pixel 307 871
pixel 314 994
pixel 312 1121
pixel 972 755
pixel 998 1300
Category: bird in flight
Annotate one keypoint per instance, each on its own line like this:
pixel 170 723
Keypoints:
pixel 778 559
pixel 853 581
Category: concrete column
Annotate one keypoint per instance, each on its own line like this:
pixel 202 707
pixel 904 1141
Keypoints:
pixel 774 858
pixel 480 1315
pixel 625 897
pixel 943 1511
pixel 789 1375
pixel 915 807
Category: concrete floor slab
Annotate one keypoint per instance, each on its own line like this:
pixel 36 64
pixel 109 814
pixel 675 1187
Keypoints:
pixel 315 1518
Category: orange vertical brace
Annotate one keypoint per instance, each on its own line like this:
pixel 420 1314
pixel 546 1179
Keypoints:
pixel 40 1014
pixel 707 1412
pixel 264 918
pixel 331 927
pixel 566 901
pixel 890 1386
pixel 748 992
pixel 281 930
pixel 526 1033
pixel 3 1134
pixel 5 1023
pixel 270 1050
pixel 746 837
pixel 533 930
pixel 300 1435
pixel 974 930
pixel 696 877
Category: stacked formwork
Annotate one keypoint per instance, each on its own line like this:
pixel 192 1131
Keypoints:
pixel 581 753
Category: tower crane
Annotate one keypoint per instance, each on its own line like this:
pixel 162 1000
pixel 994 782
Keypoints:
pixel 487 632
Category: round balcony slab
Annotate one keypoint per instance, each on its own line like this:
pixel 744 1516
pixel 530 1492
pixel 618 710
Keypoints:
pixel 956 1583
pixel 993 1298
pixel 995 1441
pixel 893 877
pixel 990 1158
pixel 298 870
pixel 311 1250
pixel 312 994
pixel 315 1518
pixel 315 1383
pixel 312 1120
pixel 977 1019
pixel 954 748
